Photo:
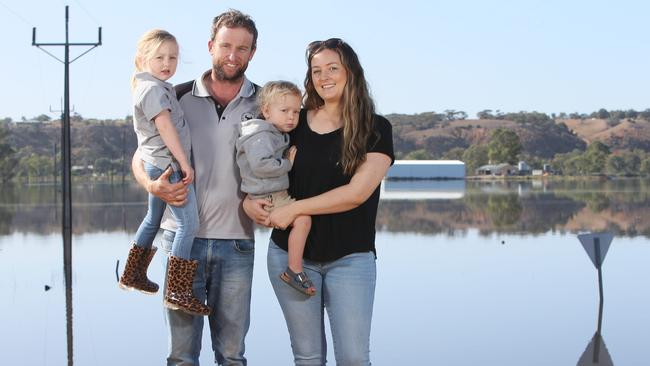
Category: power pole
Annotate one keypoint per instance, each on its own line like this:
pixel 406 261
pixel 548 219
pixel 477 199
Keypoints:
pixel 65 130
pixel 66 166
pixel 54 171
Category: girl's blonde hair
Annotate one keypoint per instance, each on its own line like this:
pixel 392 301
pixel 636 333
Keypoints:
pixel 275 89
pixel 148 44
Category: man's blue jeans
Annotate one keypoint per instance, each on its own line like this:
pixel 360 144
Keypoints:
pixel 346 289
pixel 187 217
pixel 224 277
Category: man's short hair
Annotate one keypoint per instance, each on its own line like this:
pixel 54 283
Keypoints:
pixel 234 19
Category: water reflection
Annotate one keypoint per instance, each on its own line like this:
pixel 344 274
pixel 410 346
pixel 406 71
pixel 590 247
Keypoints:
pixel 448 207
pixel 96 208
pixel 596 353
pixel 422 189
pixel 504 303
pixel 527 207
pixel 67 271
pixel 597 245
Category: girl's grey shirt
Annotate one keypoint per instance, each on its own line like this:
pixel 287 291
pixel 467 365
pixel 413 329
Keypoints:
pixel 150 97
pixel 260 150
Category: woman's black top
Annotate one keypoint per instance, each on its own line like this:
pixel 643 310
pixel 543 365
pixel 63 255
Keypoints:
pixel 316 169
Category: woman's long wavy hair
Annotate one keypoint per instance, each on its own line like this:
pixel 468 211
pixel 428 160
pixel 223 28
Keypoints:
pixel 358 107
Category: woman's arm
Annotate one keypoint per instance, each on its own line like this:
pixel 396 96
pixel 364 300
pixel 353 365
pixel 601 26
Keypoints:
pixel 344 198
pixel 173 194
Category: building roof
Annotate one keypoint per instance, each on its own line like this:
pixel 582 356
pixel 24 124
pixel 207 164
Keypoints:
pixel 495 166
pixel 429 162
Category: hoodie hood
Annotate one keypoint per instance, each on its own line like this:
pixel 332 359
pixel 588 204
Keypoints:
pixel 254 126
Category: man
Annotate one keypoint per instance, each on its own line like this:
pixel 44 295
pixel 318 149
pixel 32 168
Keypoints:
pixel 214 105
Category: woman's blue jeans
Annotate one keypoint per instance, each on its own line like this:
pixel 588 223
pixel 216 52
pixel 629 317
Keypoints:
pixel 346 289
pixel 186 216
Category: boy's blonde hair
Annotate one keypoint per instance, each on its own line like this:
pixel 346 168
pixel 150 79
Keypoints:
pixel 275 89
pixel 147 46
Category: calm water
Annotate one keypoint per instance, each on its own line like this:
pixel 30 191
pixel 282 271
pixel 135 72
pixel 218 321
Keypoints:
pixel 469 273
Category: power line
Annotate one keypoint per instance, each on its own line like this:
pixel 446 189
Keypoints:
pixel 87 12
pixel 15 13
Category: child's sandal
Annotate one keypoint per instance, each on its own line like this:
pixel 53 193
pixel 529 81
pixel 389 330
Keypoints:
pixel 298 281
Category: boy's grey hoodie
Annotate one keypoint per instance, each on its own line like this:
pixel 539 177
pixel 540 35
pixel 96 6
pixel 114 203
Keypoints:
pixel 260 149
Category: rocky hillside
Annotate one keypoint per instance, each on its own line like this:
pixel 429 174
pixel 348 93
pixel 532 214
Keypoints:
pixel 541 138
pixel 626 134
pixel 540 135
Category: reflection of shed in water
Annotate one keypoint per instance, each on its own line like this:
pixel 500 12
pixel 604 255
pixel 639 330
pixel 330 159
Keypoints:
pixel 427 169
pixel 449 189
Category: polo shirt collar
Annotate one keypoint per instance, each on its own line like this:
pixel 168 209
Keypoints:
pixel 246 91
pixel 142 76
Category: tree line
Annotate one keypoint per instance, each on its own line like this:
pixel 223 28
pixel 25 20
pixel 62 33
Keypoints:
pixel 104 147
pixel 32 150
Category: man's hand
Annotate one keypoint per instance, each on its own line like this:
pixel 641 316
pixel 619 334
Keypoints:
pixel 174 194
pixel 255 210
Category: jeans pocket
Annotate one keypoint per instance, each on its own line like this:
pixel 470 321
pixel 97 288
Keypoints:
pixel 167 240
pixel 245 246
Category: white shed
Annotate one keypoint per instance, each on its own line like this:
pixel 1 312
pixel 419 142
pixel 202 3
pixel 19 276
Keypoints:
pixel 427 169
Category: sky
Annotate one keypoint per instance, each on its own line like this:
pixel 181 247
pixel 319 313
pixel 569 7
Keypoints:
pixel 548 56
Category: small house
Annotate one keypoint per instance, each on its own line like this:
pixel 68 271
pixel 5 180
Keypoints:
pixel 498 169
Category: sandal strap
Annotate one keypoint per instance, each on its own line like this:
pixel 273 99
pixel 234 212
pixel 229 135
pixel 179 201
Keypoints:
pixel 300 278
pixel 305 282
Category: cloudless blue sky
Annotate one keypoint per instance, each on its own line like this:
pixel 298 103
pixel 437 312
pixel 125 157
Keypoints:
pixel 419 56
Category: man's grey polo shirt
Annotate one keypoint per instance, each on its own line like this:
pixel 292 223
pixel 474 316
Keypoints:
pixel 151 96
pixel 217 178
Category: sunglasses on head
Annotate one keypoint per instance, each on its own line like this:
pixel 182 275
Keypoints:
pixel 331 43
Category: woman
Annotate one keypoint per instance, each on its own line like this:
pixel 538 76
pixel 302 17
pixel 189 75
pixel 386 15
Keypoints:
pixel 344 151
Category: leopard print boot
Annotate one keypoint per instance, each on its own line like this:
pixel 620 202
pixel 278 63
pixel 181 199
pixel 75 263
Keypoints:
pixel 179 295
pixel 134 276
pixel 145 285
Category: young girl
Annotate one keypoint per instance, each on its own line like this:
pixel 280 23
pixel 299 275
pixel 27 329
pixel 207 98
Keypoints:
pixel 263 167
pixel 163 143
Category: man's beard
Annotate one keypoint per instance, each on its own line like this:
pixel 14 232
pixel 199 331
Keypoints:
pixel 222 76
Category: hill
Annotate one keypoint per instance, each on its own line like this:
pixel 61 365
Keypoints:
pixel 541 137
pixel 626 134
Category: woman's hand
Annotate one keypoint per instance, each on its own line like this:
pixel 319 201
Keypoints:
pixel 291 153
pixel 284 216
